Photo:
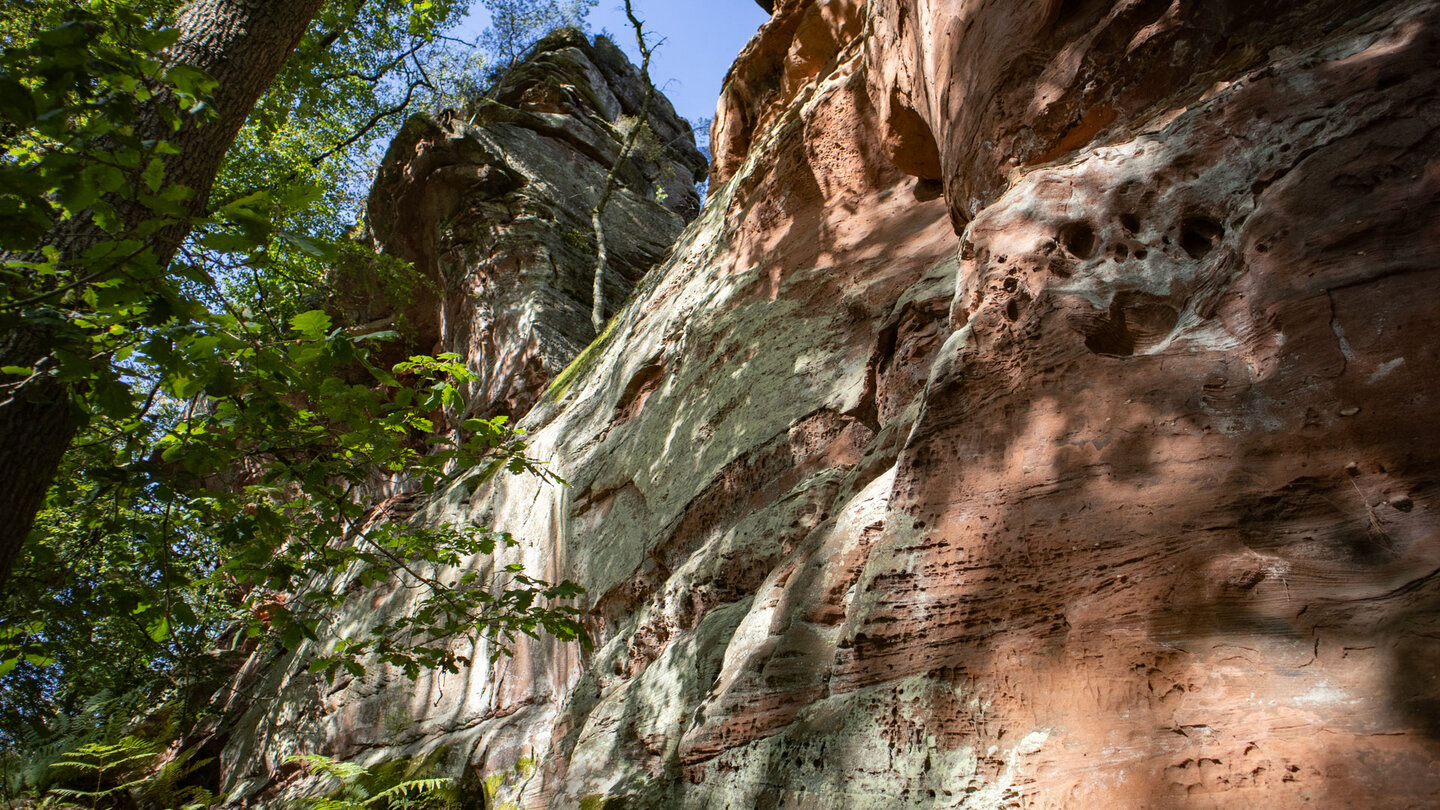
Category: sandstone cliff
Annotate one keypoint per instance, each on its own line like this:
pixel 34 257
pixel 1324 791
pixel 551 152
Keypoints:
pixel 492 203
pixel 1041 413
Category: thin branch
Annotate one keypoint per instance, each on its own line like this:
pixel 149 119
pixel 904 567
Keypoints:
pixel 456 40
pixel 374 78
pixel 371 124
pixel 597 311
pixel 79 282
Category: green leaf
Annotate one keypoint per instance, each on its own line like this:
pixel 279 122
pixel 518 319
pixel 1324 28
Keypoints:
pixel 63 36
pixel 112 397
pixel 153 175
pixel 189 80
pixel 186 387
pixel 291 635
pixel 228 242
pixel 192 272
pixel 159 630
pixel 106 217
pixel 106 178
pixel 313 324
pixel 157 41
pixel 78 193
pixel 307 245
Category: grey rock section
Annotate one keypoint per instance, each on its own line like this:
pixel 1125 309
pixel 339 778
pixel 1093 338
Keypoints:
pixel 492 206
pixel 725 423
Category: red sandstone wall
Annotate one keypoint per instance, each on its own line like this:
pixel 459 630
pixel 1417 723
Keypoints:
pixel 1042 414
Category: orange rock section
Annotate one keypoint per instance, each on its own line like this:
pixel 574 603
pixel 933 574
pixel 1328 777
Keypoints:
pixel 1161 536
pixel 1041 414
pixel 802 40
pixel 1005 87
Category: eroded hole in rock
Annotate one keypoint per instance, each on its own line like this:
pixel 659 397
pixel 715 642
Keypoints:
pixel 927 189
pixel 1012 311
pixel 1121 252
pixel 909 143
pixel 1130 223
pixel 1141 253
pixel 1135 322
pixel 1199 235
pixel 1078 239
pixel 1301 520
pixel 885 344
pixel 639 389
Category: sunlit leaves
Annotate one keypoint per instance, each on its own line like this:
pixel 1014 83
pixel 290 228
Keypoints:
pixel 71 94
pixel 312 324
pixel 233 418
pixel 517 24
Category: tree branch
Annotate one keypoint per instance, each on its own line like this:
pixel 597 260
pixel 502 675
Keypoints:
pixel 371 124
pixel 597 311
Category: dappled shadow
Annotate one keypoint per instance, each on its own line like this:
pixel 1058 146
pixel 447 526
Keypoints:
pixel 1165 516
pixel 1160 536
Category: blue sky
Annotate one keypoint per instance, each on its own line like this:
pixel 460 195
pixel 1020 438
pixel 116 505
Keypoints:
pixel 701 39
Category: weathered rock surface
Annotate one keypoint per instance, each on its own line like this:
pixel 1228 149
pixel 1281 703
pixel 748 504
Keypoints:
pixel 492 206
pixel 1042 413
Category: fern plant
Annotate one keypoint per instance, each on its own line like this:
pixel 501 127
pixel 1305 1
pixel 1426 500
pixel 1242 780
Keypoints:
pixel 114 769
pixel 62 772
pixel 31 754
pixel 354 794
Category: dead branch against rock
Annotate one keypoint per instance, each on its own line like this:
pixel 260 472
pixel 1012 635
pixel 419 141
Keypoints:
pixel 597 311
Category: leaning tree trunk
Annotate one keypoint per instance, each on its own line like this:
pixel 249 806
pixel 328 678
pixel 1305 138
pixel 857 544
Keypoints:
pixel 242 44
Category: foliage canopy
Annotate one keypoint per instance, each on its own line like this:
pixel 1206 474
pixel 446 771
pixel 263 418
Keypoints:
pixel 230 432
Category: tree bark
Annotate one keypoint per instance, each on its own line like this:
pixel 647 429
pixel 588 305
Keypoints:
pixel 36 427
pixel 242 44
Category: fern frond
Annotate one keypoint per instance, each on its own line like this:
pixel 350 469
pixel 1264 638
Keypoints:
pixel 346 772
pixel 415 786
pixel 75 793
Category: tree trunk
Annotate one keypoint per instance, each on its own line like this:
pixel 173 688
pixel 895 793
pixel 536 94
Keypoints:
pixel 35 429
pixel 242 44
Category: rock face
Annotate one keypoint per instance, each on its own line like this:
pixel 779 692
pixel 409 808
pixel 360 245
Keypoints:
pixel 492 206
pixel 1041 414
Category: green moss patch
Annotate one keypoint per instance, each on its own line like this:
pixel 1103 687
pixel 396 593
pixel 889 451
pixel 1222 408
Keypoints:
pixel 580 365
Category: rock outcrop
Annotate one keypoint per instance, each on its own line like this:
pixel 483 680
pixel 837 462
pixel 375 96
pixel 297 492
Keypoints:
pixel 1040 414
pixel 491 205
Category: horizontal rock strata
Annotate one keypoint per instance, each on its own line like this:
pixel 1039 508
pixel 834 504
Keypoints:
pixel 1040 414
